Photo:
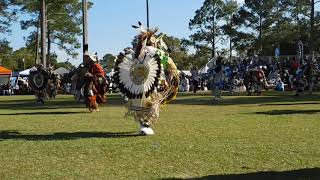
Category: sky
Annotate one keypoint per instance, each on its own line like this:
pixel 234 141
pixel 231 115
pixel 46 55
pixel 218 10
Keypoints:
pixel 110 23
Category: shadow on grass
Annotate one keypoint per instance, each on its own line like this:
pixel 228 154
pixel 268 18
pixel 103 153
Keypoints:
pixel 288 112
pixel 41 113
pixel 269 99
pixel 31 105
pixel 244 100
pixel 15 135
pixel 59 103
pixel 291 104
pixel 312 174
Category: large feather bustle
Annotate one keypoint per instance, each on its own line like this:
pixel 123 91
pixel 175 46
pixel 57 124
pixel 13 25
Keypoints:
pixel 45 76
pixel 148 112
pixel 124 82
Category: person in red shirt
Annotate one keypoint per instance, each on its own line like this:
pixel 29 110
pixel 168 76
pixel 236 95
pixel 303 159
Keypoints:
pixel 295 64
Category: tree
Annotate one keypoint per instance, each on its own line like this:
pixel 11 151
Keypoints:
pixel 206 22
pixel 201 57
pixel 24 58
pixel 16 60
pixel 64 24
pixel 258 17
pixel 107 62
pixel 316 35
pixel 177 52
pixel 65 64
pixel 7 15
pixel 230 27
pixel 5 55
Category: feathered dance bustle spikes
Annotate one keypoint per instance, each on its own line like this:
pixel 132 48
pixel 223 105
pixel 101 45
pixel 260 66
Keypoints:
pixel 147 31
pixel 140 27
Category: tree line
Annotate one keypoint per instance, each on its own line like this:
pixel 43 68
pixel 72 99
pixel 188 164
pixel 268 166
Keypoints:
pixel 254 28
pixel 220 27
pixel 64 29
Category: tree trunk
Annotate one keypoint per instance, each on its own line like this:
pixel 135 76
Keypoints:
pixel 213 31
pixel 49 48
pixel 230 37
pixel 43 33
pixel 260 35
pixel 230 48
pixel 297 19
pixel 278 23
pixel 312 29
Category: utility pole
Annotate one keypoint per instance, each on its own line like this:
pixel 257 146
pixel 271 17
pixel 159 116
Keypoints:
pixel 148 23
pixel 43 33
pixel 24 64
pixel 85 45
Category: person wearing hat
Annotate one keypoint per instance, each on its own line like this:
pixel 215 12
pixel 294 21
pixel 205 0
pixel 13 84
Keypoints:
pixel 95 82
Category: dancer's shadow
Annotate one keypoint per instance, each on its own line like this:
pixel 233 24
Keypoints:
pixel 41 113
pixel 32 105
pixel 288 112
pixel 311 174
pixel 244 100
pixel 68 103
pixel 58 136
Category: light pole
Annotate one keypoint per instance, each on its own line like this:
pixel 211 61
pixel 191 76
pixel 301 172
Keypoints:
pixel 24 65
pixel 148 23
pixel 68 64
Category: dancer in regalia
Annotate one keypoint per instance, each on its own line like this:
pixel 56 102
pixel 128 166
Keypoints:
pixel 53 84
pixel 95 83
pixel 148 77
pixel 38 81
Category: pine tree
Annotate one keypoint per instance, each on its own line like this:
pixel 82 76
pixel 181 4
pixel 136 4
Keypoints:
pixel 206 23
pixel 63 23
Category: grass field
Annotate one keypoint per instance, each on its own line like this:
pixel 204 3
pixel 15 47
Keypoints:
pixel 275 135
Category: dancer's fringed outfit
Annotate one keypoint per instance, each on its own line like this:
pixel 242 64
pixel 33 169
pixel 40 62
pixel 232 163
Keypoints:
pixel 147 76
pixel 94 83
pixel 38 81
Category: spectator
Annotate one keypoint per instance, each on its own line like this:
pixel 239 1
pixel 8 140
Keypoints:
pixel 195 79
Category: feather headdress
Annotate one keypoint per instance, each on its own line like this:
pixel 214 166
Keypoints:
pixel 147 37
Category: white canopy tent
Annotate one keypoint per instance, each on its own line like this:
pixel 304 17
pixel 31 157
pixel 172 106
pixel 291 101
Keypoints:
pixel 26 72
pixel 61 71
pixel 211 63
pixel 186 72
pixel 111 73
pixel 204 70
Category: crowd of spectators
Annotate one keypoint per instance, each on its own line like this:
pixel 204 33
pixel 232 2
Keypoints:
pixel 288 74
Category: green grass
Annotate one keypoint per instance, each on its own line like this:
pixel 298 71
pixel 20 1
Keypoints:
pixel 194 138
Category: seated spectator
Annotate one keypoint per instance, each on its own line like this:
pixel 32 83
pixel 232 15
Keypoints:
pixel 184 84
pixel 279 85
